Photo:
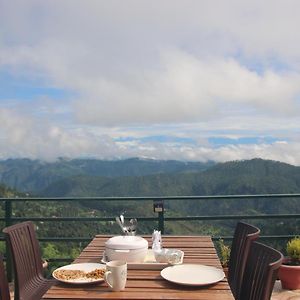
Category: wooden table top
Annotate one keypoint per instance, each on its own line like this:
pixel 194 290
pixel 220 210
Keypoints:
pixel 148 284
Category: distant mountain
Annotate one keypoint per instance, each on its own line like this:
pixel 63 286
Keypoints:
pixel 85 178
pixel 81 178
pixel 254 176
pixel 33 175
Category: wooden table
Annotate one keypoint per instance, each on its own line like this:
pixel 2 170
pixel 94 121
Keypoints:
pixel 148 284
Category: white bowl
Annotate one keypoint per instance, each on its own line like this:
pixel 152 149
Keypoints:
pixel 170 256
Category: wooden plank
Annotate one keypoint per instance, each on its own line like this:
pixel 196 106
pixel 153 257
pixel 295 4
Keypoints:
pixel 138 293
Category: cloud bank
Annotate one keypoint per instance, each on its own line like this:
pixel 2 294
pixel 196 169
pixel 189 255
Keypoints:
pixel 138 69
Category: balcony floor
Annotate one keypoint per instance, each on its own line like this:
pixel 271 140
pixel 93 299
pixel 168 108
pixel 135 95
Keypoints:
pixel 280 294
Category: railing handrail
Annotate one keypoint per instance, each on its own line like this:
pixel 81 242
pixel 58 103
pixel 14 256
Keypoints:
pixel 146 198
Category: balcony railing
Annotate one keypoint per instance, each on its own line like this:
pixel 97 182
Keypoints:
pixel 159 215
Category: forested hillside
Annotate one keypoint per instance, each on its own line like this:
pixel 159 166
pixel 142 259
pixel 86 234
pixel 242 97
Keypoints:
pixel 255 176
pixel 6 192
pixel 241 177
pixel 48 209
pixel 33 175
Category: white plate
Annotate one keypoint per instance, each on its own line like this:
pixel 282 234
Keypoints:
pixel 192 274
pixel 86 267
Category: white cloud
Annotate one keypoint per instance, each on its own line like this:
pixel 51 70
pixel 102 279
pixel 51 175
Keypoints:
pixel 126 29
pixel 26 136
pixel 177 67
pixel 187 89
pixel 183 88
pixel 21 137
pixel 280 151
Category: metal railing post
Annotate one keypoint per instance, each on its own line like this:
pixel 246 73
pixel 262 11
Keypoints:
pixel 8 222
pixel 161 222
pixel 158 207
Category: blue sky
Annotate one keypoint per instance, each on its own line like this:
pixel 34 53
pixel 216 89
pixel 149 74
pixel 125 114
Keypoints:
pixel 22 88
pixel 172 79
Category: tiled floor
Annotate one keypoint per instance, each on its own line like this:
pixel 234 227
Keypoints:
pixel 280 294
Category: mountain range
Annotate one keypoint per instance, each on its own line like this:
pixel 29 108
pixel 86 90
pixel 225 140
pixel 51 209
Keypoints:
pixel 139 177
pixel 33 176
pixel 84 178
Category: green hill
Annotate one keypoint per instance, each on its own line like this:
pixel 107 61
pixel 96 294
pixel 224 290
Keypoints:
pixel 6 192
pixel 80 178
pixel 74 179
pixel 255 176
pixel 33 175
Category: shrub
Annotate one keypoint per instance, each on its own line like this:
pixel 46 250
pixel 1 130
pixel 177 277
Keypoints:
pixel 293 250
pixel 224 253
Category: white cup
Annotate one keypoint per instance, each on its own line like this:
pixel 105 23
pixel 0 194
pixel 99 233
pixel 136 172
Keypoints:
pixel 116 275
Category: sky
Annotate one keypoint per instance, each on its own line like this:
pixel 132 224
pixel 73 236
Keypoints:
pixel 190 80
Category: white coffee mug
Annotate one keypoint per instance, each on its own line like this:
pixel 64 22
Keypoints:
pixel 116 275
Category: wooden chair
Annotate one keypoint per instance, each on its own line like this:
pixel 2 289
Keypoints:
pixel 30 284
pixel 4 289
pixel 243 236
pixel 260 272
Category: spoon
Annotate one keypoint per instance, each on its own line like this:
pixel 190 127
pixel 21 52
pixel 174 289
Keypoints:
pixel 122 219
pixel 121 225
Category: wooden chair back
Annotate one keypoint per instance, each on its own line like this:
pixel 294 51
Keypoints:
pixel 260 272
pixel 243 237
pixel 30 283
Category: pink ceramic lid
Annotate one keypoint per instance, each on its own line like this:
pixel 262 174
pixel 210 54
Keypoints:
pixel 125 242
